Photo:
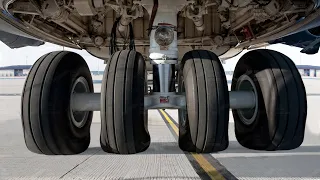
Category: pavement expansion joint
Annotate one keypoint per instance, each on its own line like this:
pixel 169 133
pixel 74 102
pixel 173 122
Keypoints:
pixel 61 177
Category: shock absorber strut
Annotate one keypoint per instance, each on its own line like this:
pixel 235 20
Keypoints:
pixel 163 78
pixel 164 50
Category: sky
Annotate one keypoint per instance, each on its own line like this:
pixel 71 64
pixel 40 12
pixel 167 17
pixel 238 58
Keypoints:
pixel 28 55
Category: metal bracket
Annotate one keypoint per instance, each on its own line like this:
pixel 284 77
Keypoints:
pixel 85 7
pixel 195 13
pixel 163 61
pixel 169 100
pixel 127 13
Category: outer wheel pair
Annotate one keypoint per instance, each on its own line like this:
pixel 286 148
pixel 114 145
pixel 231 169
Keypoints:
pixel 276 122
pixel 51 126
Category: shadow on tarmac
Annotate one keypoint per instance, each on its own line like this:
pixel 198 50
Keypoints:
pixel 234 147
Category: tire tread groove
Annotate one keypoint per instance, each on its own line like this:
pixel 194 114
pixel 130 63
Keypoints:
pixel 29 96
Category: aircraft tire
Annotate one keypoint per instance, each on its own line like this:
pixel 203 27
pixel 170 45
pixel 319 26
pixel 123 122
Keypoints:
pixel 45 105
pixel 279 121
pixel 203 125
pixel 124 121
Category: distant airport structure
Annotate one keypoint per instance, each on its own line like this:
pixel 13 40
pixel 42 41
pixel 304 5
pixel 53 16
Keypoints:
pixel 306 70
pixel 14 71
pixel 23 70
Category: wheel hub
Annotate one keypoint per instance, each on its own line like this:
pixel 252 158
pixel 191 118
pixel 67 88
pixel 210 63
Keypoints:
pixel 79 118
pixel 247 116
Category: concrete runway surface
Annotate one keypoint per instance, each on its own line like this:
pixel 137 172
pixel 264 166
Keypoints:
pixel 163 159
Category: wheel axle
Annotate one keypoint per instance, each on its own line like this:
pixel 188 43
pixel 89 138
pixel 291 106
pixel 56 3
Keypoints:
pixel 91 101
pixel 242 99
pixel 85 102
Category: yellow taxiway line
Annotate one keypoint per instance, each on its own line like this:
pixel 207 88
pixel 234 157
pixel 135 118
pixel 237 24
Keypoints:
pixel 212 172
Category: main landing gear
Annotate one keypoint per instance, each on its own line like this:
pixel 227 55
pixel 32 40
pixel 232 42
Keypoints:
pixel 267 98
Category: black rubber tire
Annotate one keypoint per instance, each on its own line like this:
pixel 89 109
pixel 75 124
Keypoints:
pixel 47 125
pixel 282 102
pixel 203 127
pixel 124 121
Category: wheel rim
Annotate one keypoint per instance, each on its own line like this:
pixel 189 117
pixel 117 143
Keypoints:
pixel 247 116
pixel 79 118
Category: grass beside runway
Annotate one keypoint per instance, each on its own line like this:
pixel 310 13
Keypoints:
pixel 205 165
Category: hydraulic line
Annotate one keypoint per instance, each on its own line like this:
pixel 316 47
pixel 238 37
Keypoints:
pixel 153 15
